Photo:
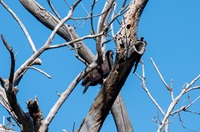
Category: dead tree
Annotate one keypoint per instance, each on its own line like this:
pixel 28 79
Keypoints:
pixel 129 50
pixel 101 68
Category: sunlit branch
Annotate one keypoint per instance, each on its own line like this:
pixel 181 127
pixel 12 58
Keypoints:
pixel 161 77
pixel 113 14
pixel 193 88
pixel 184 108
pixel 46 45
pixel 64 96
pixel 39 70
pixel 21 25
pixel 146 89
pixel 102 22
pixel 74 41
pixel 175 101
pixel 191 83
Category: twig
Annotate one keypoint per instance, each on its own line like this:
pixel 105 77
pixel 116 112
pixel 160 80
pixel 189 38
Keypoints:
pixel 67 4
pixel 161 77
pixel 175 101
pixel 192 82
pixel 184 108
pixel 146 89
pixel 52 8
pixel 12 67
pixel 76 40
pixel 193 88
pixel 84 8
pixel 39 70
pixel 91 14
pixel 46 45
pixel 181 121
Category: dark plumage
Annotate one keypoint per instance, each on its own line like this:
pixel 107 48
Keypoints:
pixel 97 75
pixel 138 47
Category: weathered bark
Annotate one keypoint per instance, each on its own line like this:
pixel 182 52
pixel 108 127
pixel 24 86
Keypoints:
pixel 35 113
pixel 66 31
pixel 23 119
pixel 120 115
pixel 50 22
pixel 107 95
pixel 69 34
pixel 129 51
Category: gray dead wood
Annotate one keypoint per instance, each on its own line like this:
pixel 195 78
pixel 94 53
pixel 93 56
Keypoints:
pixel 50 22
pixel 24 120
pixel 66 31
pixel 120 115
pixel 129 51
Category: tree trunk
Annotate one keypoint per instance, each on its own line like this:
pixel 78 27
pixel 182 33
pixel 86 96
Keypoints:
pixel 120 115
pixel 129 52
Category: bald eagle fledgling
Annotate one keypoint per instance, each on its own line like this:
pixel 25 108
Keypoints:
pixel 97 75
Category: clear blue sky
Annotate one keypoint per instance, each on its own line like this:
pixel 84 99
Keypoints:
pixel 172 30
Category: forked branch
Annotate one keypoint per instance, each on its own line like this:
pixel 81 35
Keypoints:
pixel 175 101
pixel 12 67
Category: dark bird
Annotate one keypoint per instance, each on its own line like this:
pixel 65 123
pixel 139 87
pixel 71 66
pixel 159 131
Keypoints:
pixel 97 75
pixel 138 47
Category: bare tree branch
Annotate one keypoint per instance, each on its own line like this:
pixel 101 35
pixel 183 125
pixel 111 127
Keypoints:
pixel 170 89
pixel 193 88
pixel 25 119
pixel 39 70
pixel 74 41
pixel 146 89
pixel 52 8
pixel 120 115
pixel 112 16
pixel 68 33
pixel 12 67
pixel 64 31
pixel 127 54
pixel 4 102
pixel 184 108
pixel 101 26
pixel 91 18
pixel 163 81
pixel 21 70
pixel 174 102
pixel 64 96
pixel 21 25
